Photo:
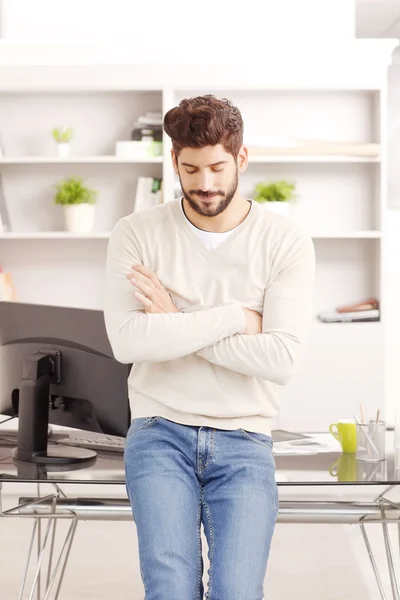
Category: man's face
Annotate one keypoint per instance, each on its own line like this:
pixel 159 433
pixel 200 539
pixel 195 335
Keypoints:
pixel 209 178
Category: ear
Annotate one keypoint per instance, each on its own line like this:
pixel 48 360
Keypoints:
pixel 242 159
pixel 174 161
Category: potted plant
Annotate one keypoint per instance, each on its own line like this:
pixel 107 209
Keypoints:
pixel 275 195
pixel 63 136
pixel 78 202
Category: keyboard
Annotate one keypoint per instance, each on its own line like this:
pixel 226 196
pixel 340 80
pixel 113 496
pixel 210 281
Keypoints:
pixel 99 442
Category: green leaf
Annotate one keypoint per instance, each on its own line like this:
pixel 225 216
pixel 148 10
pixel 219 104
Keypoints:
pixel 277 191
pixel 72 191
pixel 62 134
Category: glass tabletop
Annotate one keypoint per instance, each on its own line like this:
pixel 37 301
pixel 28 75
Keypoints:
pixel 321 469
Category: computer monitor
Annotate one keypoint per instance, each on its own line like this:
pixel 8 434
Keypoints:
pixel 57 366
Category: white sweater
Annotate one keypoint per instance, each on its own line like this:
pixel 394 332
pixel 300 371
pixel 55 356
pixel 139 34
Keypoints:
pixel 197 367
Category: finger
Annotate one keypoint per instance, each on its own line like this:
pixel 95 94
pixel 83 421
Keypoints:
pixel 148 273
pixel 137 276
pixel 142 287
pixel 145 301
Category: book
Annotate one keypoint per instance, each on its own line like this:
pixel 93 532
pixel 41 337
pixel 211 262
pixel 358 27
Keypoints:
pixel 157 122
pixel 148 193
pixel 151 117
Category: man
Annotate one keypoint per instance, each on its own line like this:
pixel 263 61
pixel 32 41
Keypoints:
pixel 210 298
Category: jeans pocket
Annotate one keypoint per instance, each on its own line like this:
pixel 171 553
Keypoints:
pixel 258 438
pixel 141 423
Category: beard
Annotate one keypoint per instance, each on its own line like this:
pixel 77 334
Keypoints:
pixel 212 210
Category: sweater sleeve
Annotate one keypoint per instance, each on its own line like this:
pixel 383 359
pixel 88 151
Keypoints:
pixel 274 354
pixel 136 336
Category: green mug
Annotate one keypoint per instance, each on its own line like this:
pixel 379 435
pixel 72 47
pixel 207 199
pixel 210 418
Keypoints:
pixel 345 432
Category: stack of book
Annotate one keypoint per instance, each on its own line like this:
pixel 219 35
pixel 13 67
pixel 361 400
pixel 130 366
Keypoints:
pixel 368 310
pixel 148 193
pixel 148 128
pixel 145 139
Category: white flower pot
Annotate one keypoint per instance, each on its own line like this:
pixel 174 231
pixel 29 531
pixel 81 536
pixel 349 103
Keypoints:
pixel 63 149
pixel 79 217
pixel 281 208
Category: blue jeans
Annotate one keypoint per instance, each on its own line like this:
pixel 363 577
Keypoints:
pixel 179 476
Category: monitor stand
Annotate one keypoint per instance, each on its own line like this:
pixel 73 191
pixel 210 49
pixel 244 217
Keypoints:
pixel 40 370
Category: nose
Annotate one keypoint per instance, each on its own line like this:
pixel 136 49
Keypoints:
pixel 205 181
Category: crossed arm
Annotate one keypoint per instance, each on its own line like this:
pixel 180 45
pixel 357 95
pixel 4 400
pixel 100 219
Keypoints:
pixel 145 325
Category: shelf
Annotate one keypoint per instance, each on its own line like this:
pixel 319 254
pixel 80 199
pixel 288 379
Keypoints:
pixel 92 160
pixel 335 325
pixel 317 158
pixel 347 235
pixel 97 235
pixel 54 235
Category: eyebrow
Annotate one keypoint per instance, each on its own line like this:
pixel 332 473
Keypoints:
pixel 220 162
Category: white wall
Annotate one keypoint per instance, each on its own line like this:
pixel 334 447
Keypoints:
pixel 177 23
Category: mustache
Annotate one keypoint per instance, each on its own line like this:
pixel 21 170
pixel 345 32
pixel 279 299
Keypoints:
pixel 206 194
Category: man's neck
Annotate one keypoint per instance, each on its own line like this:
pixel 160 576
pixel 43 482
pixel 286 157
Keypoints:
pixel 230 218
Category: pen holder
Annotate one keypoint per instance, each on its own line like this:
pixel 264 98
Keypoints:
pixel 371 441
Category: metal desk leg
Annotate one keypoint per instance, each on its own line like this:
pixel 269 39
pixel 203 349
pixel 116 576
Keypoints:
pixel 39 542
pixel 394 580
pixel 371 556
pixel 45 543
pixel 389 554
pixel 45 592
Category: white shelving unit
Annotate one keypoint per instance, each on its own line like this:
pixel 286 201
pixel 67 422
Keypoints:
pixel 54 160
pixel 312 159
pixel 54 235
pixel 341 200
pixel 78 160
pixel 347 235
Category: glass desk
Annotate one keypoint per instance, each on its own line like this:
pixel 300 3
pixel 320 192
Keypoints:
pixel 329 470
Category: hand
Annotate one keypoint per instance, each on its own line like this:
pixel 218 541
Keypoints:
pixel 151 293
pixel 253 322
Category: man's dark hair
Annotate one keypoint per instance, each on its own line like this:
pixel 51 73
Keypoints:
pixel 205 121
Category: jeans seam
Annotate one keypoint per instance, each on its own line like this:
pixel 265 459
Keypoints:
pixel 249 437
pixel 210 457
pixel 211 548
pixel 150 423
pixel 200 570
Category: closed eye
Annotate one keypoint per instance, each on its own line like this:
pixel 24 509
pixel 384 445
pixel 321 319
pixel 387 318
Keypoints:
pixel 213 170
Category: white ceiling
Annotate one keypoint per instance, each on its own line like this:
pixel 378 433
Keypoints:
pixel 378 18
